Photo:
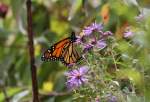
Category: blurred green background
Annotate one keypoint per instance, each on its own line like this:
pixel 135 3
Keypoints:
pixel 53 20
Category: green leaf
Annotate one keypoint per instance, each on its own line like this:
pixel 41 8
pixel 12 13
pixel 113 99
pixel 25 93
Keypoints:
pixel 17 97
pixel 10 92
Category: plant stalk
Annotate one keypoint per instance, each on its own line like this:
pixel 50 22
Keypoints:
pixel 31 52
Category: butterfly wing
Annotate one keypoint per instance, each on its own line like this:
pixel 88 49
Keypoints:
pixel 55 51
pixel 64 51
pixel 70 55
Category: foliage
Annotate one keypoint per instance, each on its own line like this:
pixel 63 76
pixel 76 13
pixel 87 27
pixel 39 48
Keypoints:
pixel 118 64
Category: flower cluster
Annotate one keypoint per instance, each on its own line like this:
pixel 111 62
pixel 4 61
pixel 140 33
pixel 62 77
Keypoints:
pixel 92 36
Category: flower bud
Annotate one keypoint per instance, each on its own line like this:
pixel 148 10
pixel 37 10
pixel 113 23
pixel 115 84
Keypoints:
pixel 3 10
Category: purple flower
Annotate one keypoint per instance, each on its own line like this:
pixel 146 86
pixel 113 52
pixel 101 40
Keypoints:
pixel 113 99
pixel 93 27
pixel 97 99
pixel 101 44
pixel 128 34
pixel 88 31
pixel 79 39
pixel 77 77
pixel 87 47
pixel 140 17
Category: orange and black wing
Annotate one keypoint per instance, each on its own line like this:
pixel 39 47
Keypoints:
pixel 70 55
pixel 64 51
pixel 54 52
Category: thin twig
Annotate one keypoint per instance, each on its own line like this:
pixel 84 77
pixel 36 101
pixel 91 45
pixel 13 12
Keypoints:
pixel 42 95
pixel 31 52
pixel 114 60
pixel 55 94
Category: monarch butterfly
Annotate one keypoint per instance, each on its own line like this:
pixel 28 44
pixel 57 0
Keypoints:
pixel 63 51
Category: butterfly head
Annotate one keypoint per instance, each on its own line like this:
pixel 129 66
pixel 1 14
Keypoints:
pixel 73 37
